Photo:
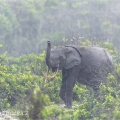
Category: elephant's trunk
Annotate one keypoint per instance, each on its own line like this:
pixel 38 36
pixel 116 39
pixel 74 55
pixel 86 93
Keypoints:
pixel 48 54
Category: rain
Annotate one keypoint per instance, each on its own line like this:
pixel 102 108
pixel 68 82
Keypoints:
pixel 25 28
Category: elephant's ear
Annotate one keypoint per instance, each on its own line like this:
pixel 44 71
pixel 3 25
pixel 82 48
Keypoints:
pixel 73 58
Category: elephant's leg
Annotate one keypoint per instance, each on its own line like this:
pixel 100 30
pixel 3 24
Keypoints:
pixel 72 75
pixel 63 85
pixel 96 92
pixel 95 83
pixel 69 92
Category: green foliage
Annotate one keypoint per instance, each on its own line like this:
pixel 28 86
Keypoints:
pixel 85 43
pixel 37 103
pixel 8 20
pixel 26 25
pixel 22 82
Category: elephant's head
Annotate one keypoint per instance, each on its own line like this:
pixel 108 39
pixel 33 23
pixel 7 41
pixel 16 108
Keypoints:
pixel 61 57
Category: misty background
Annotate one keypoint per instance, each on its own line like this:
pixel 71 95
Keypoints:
pixel 26 25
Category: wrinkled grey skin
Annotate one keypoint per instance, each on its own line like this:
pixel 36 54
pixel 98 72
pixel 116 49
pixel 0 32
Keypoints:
pixel 86 65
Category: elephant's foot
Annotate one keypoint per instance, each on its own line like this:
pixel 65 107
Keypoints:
pixel 68 105
pixel 96 93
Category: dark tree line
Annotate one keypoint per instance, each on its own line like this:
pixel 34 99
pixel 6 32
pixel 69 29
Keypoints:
pixel 26 25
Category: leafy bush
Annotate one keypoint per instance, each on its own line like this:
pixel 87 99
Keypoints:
pixel 22 83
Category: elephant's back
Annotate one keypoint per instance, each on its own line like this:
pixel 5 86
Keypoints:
pixel 94 64
pixel 93 56
pixel 95 61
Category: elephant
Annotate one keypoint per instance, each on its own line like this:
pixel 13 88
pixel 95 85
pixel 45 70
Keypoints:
pixel 88 65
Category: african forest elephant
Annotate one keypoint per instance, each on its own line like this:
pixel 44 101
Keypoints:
pixel 86 65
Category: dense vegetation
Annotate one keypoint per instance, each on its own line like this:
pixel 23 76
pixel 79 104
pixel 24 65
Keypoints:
pixel 23 88
pixel 25 26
